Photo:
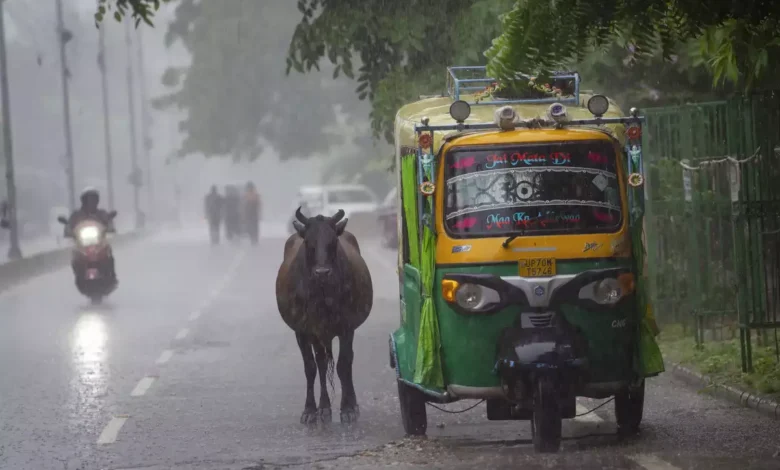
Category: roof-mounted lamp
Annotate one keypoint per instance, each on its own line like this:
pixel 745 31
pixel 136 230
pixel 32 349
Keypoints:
pixel 598 105
pixel 506 118
pixel 557 112
pixel 460 111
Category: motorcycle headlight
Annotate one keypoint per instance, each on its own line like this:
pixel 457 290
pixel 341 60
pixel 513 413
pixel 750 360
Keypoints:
pixel 89 236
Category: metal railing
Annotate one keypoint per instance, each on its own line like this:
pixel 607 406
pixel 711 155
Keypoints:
pixel 713 218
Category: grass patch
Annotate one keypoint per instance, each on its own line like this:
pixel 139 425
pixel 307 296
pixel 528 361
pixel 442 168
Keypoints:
pixel 721 360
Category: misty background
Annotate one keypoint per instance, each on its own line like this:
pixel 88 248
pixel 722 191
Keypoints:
pixel 39 136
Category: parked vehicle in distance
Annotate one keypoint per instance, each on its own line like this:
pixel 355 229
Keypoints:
pixel 388 219
pixel 358 202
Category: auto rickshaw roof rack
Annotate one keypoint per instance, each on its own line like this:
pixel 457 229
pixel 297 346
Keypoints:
pixel 534 123
pixel 473 79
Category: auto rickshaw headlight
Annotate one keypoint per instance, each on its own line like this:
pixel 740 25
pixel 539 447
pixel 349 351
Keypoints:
pixel 607 291
pixel 469 296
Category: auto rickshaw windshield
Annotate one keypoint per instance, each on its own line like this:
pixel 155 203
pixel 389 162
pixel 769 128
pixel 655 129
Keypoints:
pixel 537 189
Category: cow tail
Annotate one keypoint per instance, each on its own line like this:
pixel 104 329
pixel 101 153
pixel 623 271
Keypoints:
pixel 331 366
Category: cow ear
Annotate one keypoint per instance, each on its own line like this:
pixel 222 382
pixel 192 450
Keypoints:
pixel 299 227
pixel 340 226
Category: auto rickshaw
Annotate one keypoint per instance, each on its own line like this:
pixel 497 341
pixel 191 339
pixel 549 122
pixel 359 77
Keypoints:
pixel 521 256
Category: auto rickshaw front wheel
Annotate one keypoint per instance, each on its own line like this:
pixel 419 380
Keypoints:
pixel 413 414
pixel 629 408
pixel 546 422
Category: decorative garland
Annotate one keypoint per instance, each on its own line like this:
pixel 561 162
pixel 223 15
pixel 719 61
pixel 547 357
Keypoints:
pixel 532 90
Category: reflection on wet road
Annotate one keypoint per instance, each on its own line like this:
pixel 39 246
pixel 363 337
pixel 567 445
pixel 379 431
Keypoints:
pixel 188 366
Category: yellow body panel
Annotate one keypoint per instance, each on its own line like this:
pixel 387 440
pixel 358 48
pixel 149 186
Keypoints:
pixel 490 249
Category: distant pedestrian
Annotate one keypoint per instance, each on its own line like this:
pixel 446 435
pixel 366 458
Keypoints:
pixel 232 212
pixel 252 208
pixel 213 208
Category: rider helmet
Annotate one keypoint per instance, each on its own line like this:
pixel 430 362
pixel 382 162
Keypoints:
pixel 90 195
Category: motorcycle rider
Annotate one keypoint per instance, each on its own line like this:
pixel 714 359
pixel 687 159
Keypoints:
pixel 90 198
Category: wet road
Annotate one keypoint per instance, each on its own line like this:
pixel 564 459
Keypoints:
pixel 188 366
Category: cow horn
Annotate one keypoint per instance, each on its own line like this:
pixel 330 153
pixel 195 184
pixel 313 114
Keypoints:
pixel 302 218
pixel 337 218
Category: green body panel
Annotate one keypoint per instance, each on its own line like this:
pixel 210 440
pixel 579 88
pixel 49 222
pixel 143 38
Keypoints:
pixel 411 308
pixel 468 343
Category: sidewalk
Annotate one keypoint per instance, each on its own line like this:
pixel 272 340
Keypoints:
pixel 32 246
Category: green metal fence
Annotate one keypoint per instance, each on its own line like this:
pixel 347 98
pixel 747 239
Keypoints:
pixel 713 218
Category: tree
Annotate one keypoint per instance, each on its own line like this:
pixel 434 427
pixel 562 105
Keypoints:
pixel 403 46
pixel 139 10
pixel 738 35
pixel 235 91
pixel 682 78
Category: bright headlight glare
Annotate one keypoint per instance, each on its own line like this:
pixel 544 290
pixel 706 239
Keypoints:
pixel 89 235
pixel 469 296
pixel 607 291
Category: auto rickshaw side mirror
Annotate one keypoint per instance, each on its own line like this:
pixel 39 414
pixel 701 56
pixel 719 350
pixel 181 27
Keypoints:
pixel 62 220
pixel 112 214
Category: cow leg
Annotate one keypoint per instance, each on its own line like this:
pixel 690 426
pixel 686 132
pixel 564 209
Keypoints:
pixel 321 355
pixel 349 407
pixel 309 415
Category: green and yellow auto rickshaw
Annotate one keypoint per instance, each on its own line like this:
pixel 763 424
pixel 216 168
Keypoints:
pixel 521 257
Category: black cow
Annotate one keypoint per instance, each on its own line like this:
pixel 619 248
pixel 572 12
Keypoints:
pixel 323 291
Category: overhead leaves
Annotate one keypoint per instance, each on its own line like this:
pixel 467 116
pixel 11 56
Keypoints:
pixel 405 45
pixel 235 91
pixel 138 10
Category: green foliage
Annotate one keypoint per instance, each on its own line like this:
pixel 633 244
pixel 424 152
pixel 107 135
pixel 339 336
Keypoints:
pixel 741 52
pixel 235 91
pixel 404 49
pixel 721 360
pixel 541 35
pixel 139 10
pixel 657 81
pixel 403 46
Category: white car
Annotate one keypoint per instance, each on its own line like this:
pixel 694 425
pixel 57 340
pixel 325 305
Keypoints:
pixel 356 200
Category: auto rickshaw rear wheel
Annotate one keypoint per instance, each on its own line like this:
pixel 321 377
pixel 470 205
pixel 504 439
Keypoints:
pixel 413 413
pixel 629 408
pixel 546 422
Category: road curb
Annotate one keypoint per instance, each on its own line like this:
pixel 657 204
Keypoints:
pixel 742 398
pixel 16 272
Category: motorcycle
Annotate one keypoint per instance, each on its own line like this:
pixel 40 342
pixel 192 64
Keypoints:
pixel 90 254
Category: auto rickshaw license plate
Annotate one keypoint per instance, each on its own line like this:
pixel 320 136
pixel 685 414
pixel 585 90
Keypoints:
pixel 537 267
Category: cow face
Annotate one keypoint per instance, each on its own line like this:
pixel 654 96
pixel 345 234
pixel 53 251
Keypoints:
pixel 320 241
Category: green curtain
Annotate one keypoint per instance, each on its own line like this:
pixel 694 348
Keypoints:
pixel 650 361
pixel 428 370
pixel 409 188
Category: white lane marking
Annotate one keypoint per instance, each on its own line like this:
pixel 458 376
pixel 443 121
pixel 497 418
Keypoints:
pixel 182 333
pixel 142 387
pixel 111 431
pixel 165 356
pixel 591 417
pixel 194 315
pixel 651 462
